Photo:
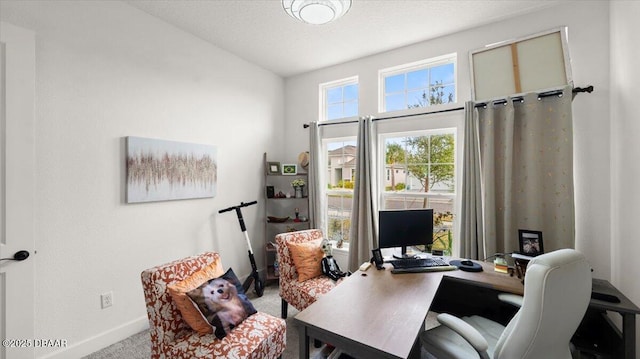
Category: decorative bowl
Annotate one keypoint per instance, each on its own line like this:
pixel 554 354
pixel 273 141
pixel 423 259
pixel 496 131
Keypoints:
pixel 277 219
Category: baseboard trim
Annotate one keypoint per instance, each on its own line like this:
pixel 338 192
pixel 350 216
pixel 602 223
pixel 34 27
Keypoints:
pixel 100 341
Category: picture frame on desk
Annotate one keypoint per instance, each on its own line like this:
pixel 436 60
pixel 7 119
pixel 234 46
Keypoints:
pixel 530 242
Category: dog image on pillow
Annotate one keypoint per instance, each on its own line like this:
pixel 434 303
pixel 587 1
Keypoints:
pixel 221 297
pixel 222 303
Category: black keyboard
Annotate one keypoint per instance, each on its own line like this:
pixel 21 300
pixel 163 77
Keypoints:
pixel 418 263
pixel 423 269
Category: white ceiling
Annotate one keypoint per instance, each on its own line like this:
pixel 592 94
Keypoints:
pixel 260 32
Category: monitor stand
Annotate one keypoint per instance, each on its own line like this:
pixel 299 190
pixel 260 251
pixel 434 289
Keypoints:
pixel 404 254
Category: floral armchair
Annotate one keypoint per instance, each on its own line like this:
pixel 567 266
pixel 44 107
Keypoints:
pixel 299 294
pixel 259 336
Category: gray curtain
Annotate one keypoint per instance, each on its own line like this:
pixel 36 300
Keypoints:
pixel 471 228
pixel 316 216
pixel 362 236
pixel 526 156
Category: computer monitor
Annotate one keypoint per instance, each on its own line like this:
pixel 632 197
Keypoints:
pixel 403 228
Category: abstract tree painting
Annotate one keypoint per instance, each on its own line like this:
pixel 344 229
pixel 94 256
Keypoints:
pixel 160 170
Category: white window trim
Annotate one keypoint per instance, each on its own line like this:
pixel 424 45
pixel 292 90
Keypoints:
pixel 412 66
pixel 322 91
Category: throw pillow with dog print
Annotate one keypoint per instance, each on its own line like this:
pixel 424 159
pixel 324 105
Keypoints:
pixel 223 303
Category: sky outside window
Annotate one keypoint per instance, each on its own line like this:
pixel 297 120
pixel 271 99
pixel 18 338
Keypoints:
pixel 415 88
pixel 342 101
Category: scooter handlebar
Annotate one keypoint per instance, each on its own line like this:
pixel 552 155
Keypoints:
pixel 242 204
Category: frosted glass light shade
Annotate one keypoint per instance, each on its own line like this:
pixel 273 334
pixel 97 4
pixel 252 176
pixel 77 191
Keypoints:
pixel 316 12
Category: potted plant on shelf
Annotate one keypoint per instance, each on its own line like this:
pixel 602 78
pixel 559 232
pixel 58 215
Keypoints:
pixel 298 185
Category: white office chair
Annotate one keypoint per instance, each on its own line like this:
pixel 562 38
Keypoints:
pixel 557 291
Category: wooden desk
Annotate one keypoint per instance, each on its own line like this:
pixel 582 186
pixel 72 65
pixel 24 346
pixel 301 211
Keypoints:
pixel 380 315
pixel 625 308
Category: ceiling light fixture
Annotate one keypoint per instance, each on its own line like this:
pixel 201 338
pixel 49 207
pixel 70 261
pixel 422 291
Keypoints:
pixel 316 12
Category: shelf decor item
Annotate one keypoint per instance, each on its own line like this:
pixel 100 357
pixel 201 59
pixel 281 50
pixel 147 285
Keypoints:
pixel 298 185
pixel 274 219
pixel 289 169
pixel 273 168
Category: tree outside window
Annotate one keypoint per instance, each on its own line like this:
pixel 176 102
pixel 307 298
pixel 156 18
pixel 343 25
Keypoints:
pixel 422 175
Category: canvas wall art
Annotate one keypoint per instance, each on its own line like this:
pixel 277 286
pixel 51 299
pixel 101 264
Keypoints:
pixel 161 170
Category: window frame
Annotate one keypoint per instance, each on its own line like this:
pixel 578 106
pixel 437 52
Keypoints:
pixel 414 66
pixel 429 123
pixel 323 88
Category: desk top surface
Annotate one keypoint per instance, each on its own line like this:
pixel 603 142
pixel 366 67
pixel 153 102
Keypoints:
pixel 387 311
pixel 625 305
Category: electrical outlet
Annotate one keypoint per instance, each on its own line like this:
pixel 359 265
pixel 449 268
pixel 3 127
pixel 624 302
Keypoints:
pixel 106 299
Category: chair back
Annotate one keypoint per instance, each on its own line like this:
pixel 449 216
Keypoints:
pixel 286 267
pixel 165 320
pixel 557 292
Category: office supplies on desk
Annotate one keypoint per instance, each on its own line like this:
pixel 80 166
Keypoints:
pixel 364 266
pixel 377 258
pixel 423 269
pixel 605 297
pixel 466 265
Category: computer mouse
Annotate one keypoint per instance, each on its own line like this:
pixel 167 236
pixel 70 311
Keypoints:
pixel 466 262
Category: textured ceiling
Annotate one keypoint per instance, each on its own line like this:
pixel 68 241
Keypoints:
pixel 260 32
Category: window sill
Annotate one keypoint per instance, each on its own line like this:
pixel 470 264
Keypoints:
pixel 343 250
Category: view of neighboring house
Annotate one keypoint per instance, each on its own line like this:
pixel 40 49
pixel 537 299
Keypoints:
pixel 342 165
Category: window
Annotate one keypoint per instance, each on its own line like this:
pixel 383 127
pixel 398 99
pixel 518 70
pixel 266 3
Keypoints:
pixel 339 99
pixel 420 84
pixel 422 175
pixel 340 176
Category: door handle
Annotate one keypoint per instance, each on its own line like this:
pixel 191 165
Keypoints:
pixel 18 256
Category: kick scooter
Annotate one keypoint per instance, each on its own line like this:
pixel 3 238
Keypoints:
pixel 254 276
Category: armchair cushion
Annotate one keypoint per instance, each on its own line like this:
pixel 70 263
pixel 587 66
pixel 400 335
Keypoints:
pixel 307 258
pixel 189 310
pixel 223 303
pixel 260 336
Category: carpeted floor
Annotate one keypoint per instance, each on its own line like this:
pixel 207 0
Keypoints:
pixel 138 346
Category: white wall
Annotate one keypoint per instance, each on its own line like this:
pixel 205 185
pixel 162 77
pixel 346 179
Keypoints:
pixel 104 71
pixel 625 147
pixel 588 24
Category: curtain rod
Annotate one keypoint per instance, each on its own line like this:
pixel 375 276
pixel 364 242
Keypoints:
pixel 575 90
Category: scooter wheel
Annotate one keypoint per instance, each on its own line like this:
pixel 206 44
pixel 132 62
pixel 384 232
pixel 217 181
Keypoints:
pixel 259 287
